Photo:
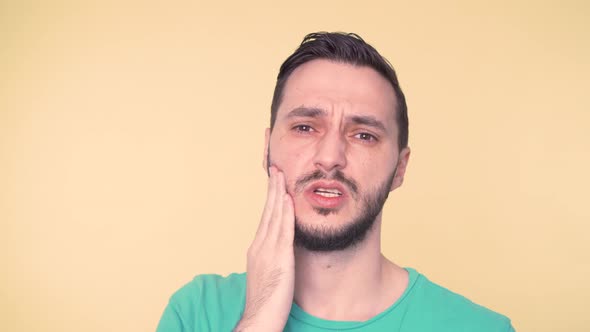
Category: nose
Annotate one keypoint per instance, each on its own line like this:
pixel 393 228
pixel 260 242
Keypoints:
pixel 330 152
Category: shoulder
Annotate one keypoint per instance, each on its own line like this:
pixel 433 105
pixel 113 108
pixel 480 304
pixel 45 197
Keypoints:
pixel 211 284
pixel 443 307
pixel 209 299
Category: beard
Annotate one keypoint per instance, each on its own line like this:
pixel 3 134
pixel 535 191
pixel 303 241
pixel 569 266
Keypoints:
pixel 322 238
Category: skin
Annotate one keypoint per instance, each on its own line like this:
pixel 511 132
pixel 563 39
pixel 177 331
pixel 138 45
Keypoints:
pixel 351 128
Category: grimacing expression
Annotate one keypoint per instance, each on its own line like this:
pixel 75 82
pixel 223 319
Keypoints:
pixel 335 139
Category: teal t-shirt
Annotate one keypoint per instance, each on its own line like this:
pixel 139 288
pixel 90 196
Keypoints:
pixel 215 303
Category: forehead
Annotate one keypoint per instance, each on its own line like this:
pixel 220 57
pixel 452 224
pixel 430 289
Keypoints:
pixel 335 86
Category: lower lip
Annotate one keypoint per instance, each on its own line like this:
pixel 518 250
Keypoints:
pixel 324 202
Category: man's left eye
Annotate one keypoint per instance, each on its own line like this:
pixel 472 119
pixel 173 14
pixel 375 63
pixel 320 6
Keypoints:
pixel 303 128
pixel 365 137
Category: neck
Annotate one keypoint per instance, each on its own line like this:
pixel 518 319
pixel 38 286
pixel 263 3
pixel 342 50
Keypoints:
pixel 353 284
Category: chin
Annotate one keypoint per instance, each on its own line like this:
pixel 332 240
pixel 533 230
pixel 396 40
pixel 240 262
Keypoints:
pixel 329 220
pixel 318 215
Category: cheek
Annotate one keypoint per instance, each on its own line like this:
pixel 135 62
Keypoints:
pixel 293 168
pixel 371 170
pixel 288 163
pixel 288 156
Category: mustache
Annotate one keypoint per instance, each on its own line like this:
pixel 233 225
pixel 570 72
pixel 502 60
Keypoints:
pixel 319 175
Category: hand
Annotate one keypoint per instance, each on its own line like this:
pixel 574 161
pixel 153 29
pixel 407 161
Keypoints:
pixel 271 263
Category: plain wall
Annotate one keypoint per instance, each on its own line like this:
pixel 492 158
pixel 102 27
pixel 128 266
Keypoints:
pixel 131 144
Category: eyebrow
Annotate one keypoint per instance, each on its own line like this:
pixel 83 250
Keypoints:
pixel 368 120
pixel 315 112
pixel 307 112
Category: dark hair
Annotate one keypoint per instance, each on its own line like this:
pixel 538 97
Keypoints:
pixel 347 48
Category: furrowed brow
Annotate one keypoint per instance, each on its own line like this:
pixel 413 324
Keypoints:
pixel 368 120
pixel 306 112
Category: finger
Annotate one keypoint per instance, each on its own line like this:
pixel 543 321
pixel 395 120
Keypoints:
pixel 268 206
pixel 288 220
pixel 277 213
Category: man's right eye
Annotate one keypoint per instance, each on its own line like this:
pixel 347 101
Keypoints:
pixel 303 128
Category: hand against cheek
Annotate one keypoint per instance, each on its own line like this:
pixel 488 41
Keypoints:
pixel 271 263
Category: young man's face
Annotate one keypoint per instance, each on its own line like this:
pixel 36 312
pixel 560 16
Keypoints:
pixel 335 139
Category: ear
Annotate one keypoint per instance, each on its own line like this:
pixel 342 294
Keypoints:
pixel 265 153
pixel 402 164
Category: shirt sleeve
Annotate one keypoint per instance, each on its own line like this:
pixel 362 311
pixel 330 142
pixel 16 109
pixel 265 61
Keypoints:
pixel 170 321
pixel 509 327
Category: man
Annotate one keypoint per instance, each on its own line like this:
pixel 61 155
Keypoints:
pixel 336 147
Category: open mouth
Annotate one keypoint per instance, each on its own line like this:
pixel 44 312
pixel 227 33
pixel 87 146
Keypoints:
pixel 325 192
pixel 326 195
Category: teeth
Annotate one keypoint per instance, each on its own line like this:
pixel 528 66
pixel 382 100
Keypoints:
pixel 328 192
pixel 324 194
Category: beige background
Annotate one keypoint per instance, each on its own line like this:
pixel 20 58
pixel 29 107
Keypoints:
pixel 131 138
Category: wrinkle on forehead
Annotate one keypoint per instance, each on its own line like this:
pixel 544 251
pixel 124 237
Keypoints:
pixel 354 118
pixel 340 88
